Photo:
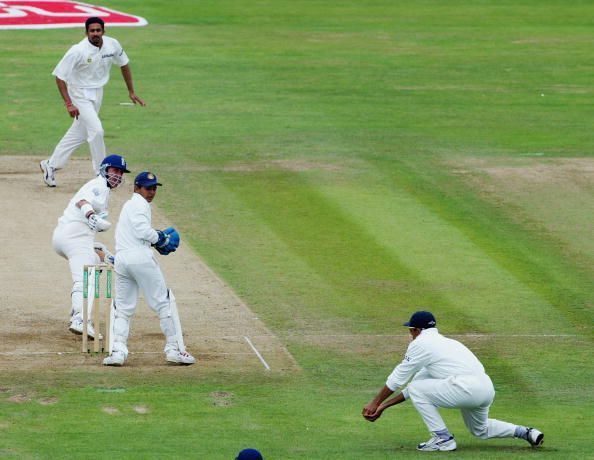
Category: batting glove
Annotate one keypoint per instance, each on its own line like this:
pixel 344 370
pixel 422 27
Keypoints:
pixel 98 224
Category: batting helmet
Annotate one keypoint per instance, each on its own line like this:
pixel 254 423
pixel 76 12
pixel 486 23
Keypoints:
pixel 114 161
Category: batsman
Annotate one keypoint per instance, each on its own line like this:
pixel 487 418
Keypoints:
pixel 138 269
pixel 74 236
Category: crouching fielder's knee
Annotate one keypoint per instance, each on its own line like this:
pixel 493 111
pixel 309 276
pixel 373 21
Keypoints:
pixel 480 431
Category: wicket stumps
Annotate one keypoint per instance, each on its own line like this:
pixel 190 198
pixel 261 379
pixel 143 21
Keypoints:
pixel 92 291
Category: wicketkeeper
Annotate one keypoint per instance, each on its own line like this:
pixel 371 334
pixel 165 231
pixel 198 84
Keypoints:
pixel 137 268
pixel 444 374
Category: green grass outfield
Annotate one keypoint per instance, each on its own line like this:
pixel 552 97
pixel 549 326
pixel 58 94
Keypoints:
pixel 341 164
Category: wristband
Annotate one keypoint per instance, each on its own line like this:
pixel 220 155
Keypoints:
pixel 86 208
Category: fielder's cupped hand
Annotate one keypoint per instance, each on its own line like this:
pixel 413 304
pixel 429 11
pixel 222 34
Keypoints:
pixel 371 412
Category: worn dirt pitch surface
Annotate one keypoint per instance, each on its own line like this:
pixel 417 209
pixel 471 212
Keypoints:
pixel 35 288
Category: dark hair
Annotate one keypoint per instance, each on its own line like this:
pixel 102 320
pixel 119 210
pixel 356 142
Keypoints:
pixel 94 20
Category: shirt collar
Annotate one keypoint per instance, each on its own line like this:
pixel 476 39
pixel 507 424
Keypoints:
pixel 431 330
pixel 92 47
pixel 138 196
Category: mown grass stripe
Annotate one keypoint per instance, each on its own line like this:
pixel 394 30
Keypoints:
pixel 533 262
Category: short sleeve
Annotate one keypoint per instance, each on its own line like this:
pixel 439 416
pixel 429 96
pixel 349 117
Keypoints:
pixel 67 64
pixel 415 359
pixel 120 56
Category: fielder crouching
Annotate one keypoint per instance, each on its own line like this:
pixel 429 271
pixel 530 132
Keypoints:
pixel 137 268
pixel 442 372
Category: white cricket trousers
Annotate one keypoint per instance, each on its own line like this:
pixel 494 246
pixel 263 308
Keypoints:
pixel 137 269
pixel 87 128
pixel 75 242
pixel 472 394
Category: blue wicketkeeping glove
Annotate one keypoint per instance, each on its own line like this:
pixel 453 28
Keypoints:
pixel 174 238
pixel 168 241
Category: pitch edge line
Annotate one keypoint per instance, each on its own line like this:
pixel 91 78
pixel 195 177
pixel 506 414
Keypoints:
pixel 257 353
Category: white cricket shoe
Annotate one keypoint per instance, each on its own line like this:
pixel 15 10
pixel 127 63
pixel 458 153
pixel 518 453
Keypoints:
pixel 76 327
pixel 179 357
pixel 117 358
pixel 48 173
pixel 438 444
pixel 534 437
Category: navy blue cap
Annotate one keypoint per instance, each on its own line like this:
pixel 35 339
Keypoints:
pixel 421 320
pixel 146 179
pixel 249 454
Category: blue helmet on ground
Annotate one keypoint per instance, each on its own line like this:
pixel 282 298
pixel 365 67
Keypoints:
pixel 249 454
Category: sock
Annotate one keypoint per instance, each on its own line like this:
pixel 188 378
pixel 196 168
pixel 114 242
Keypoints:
pixel 443 434
pixel 521 432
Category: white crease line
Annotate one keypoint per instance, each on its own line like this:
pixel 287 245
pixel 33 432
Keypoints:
pixel 257 353
pixel 494 336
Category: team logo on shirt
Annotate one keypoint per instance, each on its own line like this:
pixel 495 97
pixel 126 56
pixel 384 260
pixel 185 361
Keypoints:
pixel 51 14
pixel 89 60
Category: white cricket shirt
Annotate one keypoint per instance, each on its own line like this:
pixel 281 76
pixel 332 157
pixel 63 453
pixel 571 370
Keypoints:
pixel 86 66
pixel 96 192
pixel 134 230
pixel 437 356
